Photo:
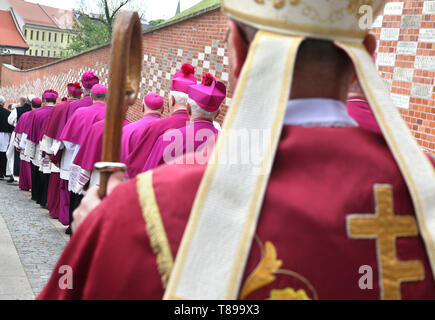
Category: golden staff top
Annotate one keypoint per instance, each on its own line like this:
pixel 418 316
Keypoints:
pixel 124 81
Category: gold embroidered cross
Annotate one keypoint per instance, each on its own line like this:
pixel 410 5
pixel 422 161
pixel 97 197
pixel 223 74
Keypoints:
pixel 385 227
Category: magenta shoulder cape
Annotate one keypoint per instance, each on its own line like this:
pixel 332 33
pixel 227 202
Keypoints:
pixel 39 120
pixel 132 133
pixel 176 143
pixel 92 148
pixel 78 127
pixel 22 123
pixel 28 124
pixel 72 107
pixel 55 118
pixel 137 159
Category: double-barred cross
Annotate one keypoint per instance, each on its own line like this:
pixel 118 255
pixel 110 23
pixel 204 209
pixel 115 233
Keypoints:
pixel 385 227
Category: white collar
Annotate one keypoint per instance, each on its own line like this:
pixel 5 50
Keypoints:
pixel 318 112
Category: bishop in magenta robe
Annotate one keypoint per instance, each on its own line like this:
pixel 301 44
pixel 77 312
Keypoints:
pixel 25 181
pixel 178 103
pixel 89 154
pixel 74 134
pixel 203 106
pixel 89 79
pixel 49 136
pixel 153 107
pixel 40 119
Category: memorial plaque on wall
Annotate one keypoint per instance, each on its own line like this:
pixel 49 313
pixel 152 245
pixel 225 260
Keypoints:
pixel 400 100
pixel 390 34
pixel 407 48
pixel 403 74
pixel 425 63
pixel 420 90
pixel 393 8
pixel 427 35
pixel 410 22
pixel 429 7
pixel 386 59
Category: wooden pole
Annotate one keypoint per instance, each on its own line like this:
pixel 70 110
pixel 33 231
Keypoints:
pixel 124 82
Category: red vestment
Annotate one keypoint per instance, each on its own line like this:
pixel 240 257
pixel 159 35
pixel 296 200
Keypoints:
pixel 322 178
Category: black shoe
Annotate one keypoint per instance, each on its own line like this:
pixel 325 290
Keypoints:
pixel 68 231
pixel 44 206
pixel 2 177
pixel 11 180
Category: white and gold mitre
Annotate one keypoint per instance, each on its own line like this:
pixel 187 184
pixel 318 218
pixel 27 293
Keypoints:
pixel 325 19
pixel 215 246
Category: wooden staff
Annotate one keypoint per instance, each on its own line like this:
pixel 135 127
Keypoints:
pixel 124 81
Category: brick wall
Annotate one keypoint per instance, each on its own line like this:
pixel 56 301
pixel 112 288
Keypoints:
pixel 198 40
pixel 24 62
pixel 406 60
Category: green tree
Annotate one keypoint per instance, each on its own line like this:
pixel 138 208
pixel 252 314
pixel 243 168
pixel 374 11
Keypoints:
pixel 96 20
pixel 91 34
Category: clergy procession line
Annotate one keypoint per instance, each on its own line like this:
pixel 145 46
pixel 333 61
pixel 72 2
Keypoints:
pixel 343 188
pixel 60 142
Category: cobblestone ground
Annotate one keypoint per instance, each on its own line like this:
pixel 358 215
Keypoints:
pixel 39 240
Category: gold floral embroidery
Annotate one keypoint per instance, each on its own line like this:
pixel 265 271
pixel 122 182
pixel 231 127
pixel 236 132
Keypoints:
pixel 288 294
pixel 266 273
pixel 386 227
pixel 263 275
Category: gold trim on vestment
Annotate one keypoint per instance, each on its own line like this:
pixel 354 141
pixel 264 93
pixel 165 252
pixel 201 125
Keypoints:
pixel 203 191
pixel 208 177
pixel 263 180
pixel 154 225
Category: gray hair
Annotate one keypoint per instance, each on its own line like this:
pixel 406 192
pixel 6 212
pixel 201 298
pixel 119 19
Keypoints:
pixel 2 100
pixel 198 111
pixel 180 97
pixel 99 97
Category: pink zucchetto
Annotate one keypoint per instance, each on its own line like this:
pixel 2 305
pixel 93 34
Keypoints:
pixel 89 79
pixel 50 94
pixel 183 79
pixel 37 101
pixel 209 94
pixel 153 101
pixel 75 89
pixel 99 89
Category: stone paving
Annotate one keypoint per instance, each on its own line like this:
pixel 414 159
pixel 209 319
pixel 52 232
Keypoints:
pixel 38 239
